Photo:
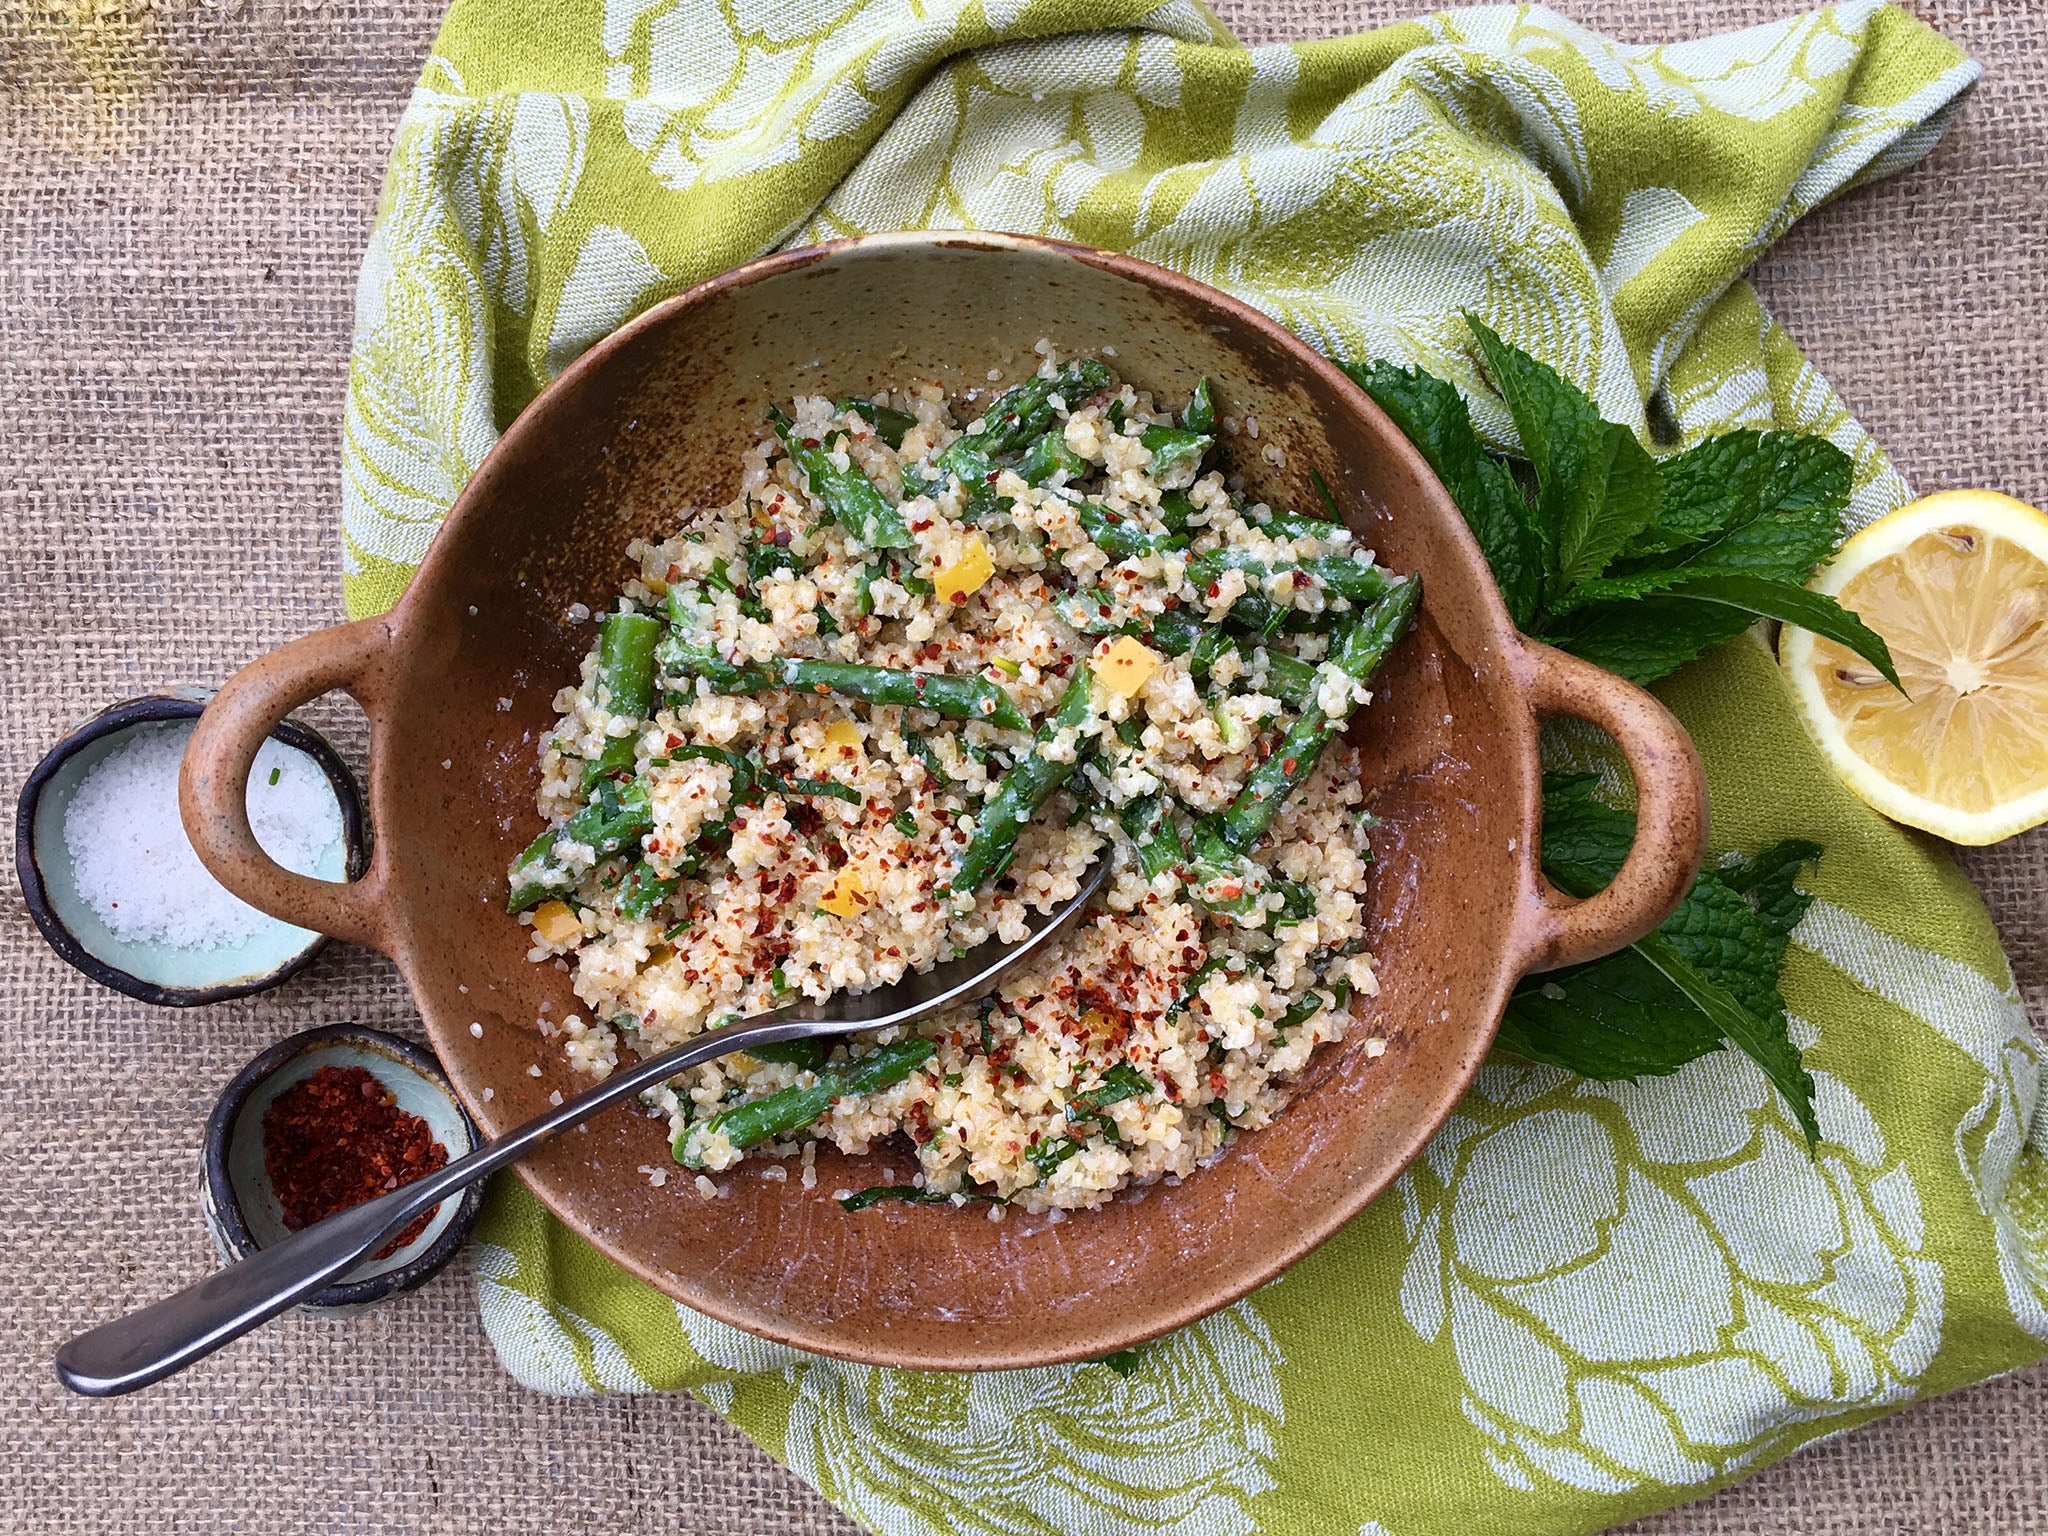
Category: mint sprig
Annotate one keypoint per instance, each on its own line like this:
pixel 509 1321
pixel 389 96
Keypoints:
pixel 1641 566
pixel 1708 974
pixel 1637 565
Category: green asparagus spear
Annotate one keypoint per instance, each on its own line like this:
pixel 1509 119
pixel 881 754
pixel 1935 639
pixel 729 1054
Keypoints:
pixel 790 1109
pixel 963 697
pixel 1358 652
pixel 1297 525
pixel 1121 537
pixel 616 815
pixel 1200 415
pixel 644 890
pixel 1048 455
pixel 1151 827
pixel 619 755
pixel 1023 412
pixel 625 662
pixel 1175 448
pixel 889 425
pixel 1348 578
pixel 850 496
pixel 1023 789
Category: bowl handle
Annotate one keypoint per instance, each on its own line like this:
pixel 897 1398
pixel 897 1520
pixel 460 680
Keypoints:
pixel 1555 929
pixel 213 783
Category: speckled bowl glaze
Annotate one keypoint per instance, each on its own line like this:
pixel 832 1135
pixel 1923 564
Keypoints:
pixel 235 1193
pixel 656 417
pixel 158 973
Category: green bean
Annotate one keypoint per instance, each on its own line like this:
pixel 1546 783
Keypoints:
pixel 1121 536
pixel 1200 415
pixel 965 697
pixel 625 662
pixel 616 814
pixel 645 890
pixel 850 496
pixel 1049 455
pixel 1150 825
pixel 1358 652
pixel 790 1109
pixel 1348 578
pixel 890 425
pixel 1024 788
pixel 1175 448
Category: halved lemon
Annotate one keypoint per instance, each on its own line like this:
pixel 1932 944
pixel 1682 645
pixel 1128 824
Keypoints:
pixel 1957 583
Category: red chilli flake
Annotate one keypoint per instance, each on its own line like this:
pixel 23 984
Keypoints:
pixel 338 1138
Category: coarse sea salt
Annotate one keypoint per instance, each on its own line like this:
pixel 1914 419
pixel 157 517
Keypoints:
pixel 134 865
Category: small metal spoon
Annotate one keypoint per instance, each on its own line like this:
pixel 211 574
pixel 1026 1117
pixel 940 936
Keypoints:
pixel 163 1338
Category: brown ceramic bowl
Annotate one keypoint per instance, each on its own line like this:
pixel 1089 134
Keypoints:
pixel 658 416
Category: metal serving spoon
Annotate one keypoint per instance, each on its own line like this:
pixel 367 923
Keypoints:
pixel 148 1345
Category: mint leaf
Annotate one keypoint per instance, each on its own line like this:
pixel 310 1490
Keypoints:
pixel 1765 1042
pixel 1767 880
pixel 1777 495
pixel 1596 487
pixel 1709 972
pixel 1645 639
pixel 1616 1018
pixel 1789 604
pixel 1433 416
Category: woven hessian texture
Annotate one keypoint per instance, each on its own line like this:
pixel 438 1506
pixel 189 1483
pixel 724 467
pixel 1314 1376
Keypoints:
pixel 184 194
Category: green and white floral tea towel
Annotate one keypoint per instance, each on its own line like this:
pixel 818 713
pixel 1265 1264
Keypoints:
pixel 1587 1301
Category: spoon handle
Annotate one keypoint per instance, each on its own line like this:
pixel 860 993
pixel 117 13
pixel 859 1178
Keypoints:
pixel 166 1336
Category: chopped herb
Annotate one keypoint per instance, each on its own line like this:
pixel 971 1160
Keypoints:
pixel 275 774
pixel 904 822
pixel 1048 1155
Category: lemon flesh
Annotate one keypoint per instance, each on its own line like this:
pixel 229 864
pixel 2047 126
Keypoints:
pixel 1957 583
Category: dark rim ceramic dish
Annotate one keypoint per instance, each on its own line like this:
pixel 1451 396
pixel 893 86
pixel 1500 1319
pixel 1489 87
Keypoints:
pixel 173 704
pixel 657 417
pixel 226 1155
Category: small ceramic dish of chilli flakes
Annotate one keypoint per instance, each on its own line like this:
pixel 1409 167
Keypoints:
pixel 807 663
pixel 936 658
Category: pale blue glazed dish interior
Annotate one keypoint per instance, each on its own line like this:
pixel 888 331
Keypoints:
pixel 274 945
pixel 416 1094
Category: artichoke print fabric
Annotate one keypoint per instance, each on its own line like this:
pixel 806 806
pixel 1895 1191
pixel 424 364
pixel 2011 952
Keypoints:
pixel 1587 1300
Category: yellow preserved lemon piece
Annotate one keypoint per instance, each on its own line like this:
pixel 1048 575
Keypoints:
pixel 1957 583
pixel 970 573
pixel 553 921
pixel 848 894
pixel 1125 666
pixel 843 733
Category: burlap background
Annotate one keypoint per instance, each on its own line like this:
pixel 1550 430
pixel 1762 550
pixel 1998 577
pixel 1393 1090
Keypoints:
pixel 184 194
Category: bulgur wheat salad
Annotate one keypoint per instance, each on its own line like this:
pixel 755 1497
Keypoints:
pixel 935 660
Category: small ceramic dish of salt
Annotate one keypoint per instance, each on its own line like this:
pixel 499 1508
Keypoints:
pixel 112 881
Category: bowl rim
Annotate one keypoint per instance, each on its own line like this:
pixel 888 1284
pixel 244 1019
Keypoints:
pixel 152 708
pixel 218 1187
pixel 538 418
